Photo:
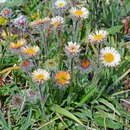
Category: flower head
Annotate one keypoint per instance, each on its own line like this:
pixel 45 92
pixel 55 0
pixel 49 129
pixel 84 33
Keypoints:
pixel 40 75
pixel 57 21
pixel 79 13
pixel 30 50
pixel 62 78
pixel 16 46
pixel 85 66
pixel 17 100
pixel 20 22
pixel 98 36
pixel 26 65
pixel 72 49
pixel 40 23
pixel 60 4
pixel 109 57
pixel 51 64
pixel 6 12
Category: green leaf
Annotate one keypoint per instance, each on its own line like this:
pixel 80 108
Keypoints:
pixel 3 122
pixel 107 123
pixel 115 29
pixel 66 113
pixel 89 94
pixel 109 105
pixel 27 121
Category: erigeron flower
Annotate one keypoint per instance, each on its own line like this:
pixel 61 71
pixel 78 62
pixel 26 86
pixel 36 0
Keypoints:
pixel 72 49
pixel 79 13
pixel 17 100
pixel 51 65
pixel 40 75
pixel 30 50
pixel 57 21
pixel 40 23
pixel 6 12
pixel 16 46
pixel 85 65
pixel 62 78
pixel 98 36
pixel 109 57
pixel 60 4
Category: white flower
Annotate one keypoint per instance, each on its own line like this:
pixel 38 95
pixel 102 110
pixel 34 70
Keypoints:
pixel 30 50
pixel 57 21
pixel 40 75
pixel 72 49
pixel 3 1
pixel 109 57
pixel 79 13
pixel 60 4
pixel 98 36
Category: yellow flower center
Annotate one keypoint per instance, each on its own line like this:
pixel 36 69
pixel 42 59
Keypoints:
pixel 16 46
pixel 40 77
pixel 78 12
pixel 51 63
pixel 109 57
pixel 98 37
pixel 61 5
pixel 56 24
pixel 73 49
pixel 85 64
pixel 30 51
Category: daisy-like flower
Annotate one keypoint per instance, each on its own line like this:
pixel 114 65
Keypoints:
pixel 51 64
pixel 72 49
pixel 98 36
pixel 6 12
pixel 60 4
pixel 62 78
pixel 30 50
pixel 40 23
pixel 17 100
pixel 16 46
pixel 79 13
pixel 109 57
pixel 57 21
pixel 40 75
pixel 85 66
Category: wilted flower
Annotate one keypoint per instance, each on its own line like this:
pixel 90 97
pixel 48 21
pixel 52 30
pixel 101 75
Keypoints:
pixel 51 65
pixel 30 50
pixel 16 46
pixel 6 12
pixel 40 75
pixel 32 95
pixel 26 65
pixel 98 36
pixel 109 57
pixel 62 78
pixel 17 100
pixel 72 49
pixel 57 21
pixel 79 13
pixel 40 23
pixel 20 22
